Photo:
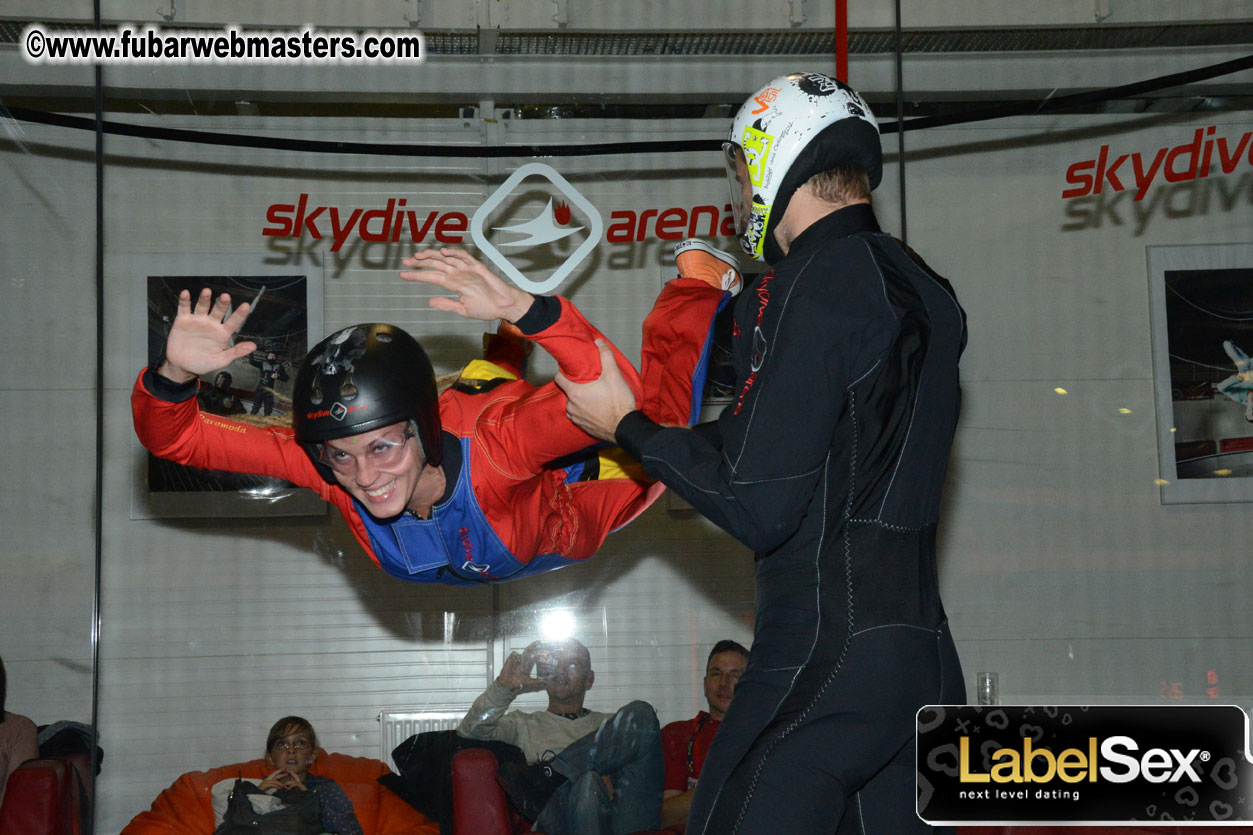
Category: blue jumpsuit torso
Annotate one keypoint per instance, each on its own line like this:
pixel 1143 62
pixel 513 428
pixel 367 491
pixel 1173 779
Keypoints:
pixel 456 545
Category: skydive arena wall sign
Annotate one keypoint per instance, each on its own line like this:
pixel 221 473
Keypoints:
pixel 1025 765
pixel 548 227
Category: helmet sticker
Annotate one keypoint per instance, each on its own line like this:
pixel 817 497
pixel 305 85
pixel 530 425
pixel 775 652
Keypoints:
pixel 757 220
pixel 816 85
pixel 345 347
pixel 756 145
pixel 764 99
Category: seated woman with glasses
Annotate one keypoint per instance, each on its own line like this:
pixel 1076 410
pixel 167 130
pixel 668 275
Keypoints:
pixel 485 482
pixel 289 799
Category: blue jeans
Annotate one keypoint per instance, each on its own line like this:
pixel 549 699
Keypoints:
pixel 627 749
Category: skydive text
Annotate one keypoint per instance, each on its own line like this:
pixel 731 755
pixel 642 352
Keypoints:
pixel 1113 171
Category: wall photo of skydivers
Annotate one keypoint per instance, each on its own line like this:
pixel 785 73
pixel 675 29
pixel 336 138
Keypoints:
pixel 1209 327
pixel 256 384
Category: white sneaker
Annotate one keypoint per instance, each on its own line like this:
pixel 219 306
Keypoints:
pixel 697 259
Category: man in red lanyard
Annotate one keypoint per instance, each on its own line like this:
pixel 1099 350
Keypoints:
pixel 685 743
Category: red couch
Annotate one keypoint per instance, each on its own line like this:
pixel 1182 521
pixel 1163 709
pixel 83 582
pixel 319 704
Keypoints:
pixel 47 796
pixel 186 807
pixel 479 806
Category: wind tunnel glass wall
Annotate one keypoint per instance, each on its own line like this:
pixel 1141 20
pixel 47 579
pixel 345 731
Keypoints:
pixel 48 405
pixel 1101 297
pixel 1061 567
pixel 251 602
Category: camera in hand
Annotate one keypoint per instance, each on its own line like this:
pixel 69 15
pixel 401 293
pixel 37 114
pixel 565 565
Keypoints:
pixel 546 662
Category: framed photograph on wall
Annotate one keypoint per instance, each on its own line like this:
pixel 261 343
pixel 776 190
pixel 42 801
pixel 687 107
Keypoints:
pixel 1202 321
pixel 284 322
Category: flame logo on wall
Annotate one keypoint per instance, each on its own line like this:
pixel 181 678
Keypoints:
pixel 543 228
pixel 550 224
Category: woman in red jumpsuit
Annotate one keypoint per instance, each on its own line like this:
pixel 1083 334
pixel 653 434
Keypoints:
pixel 485 482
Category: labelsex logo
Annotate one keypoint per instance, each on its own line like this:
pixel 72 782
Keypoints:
pixel 538 229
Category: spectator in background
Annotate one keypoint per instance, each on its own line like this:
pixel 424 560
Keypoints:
pixel 569 749
pixel 303 802
pixel 18 738
pixel 685 743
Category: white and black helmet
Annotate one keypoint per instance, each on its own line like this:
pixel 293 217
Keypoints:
pixel 795 126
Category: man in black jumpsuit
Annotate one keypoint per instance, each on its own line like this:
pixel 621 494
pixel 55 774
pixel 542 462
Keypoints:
pixel 829 465
pixel 270 371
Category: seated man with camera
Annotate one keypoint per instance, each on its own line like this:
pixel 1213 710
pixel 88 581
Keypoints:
pixel 586 772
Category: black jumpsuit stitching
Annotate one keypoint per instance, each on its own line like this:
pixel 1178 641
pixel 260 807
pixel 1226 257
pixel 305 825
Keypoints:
pixel 748 427
pixel 879 523
pixel 805 474
pixel 680 477
pixel 748 794
pixel 913 626
pixel 867 374
pixel 848 585
pixel 913 412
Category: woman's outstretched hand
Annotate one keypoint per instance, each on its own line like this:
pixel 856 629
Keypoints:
pixel 480 293
pixel 201 338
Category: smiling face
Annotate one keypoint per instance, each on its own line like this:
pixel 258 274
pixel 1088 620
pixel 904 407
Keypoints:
pixel 572 675
pixel 382 469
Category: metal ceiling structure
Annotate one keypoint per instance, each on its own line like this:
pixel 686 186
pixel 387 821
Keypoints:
pixel 565 58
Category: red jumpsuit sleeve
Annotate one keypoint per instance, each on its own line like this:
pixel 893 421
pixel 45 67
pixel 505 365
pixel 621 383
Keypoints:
pixel 181 433
pixel 572 342
pixel 521 433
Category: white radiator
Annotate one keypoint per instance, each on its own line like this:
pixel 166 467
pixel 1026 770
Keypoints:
pixel 395 726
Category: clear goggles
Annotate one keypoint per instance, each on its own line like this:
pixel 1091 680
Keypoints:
pixel 737 175
pixel 382 453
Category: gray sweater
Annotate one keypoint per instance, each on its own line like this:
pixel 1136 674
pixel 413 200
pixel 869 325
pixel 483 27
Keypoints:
pixel 535 733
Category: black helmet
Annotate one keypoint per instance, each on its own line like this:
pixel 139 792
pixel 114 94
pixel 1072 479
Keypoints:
pixel 363 378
